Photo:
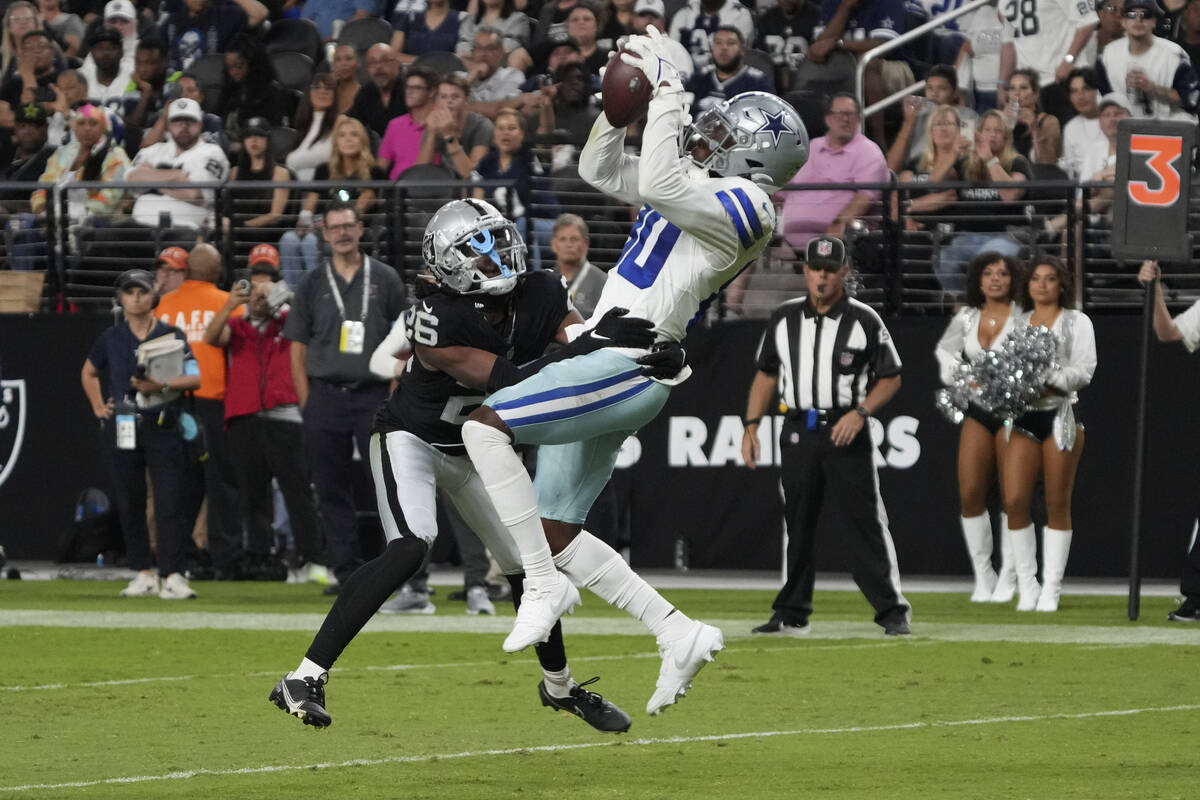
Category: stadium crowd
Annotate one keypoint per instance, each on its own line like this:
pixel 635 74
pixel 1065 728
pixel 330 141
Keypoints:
pixel 351 98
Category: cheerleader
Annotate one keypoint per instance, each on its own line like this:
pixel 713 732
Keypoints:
pixel 990 313
pixel 1046 439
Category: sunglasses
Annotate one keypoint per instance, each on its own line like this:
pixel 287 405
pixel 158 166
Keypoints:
pixel 1138 13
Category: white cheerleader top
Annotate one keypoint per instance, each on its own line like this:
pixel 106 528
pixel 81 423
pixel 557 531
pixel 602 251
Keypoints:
pixel 960 343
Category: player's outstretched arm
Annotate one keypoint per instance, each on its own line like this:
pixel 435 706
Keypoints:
pixel 604 164
pixel 392 352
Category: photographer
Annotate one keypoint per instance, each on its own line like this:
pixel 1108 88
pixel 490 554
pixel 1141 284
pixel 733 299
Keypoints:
pixel 262 413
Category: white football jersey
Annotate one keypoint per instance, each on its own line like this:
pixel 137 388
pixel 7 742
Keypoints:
pixel 692 28
pixel 1165 63
pixel 693 234
pixel 203 162
pixel 1042 30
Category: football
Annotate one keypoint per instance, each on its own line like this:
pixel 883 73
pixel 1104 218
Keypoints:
pixel 625 92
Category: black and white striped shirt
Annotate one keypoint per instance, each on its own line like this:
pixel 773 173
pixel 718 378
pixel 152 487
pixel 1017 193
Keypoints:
pixel 826 361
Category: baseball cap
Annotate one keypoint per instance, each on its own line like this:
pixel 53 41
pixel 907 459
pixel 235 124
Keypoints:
pixel 135 277
pixel 826 252
pixel 257 125
pixel 654 7
pixel 119 8
pixel 174 257
pixel 1116 99
pixel 105 33
pixel 184 108
pixel 1148 5
pixel 264 260
pixel 32 113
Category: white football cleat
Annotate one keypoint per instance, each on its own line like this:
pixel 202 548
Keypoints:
pixel 541 605
pixel 175 587
pixel 144 584
pixel 682 659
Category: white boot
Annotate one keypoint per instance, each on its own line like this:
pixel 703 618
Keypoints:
pixel 977 531
pixel 1056 545
pixel 1024 546
pixel 1006 580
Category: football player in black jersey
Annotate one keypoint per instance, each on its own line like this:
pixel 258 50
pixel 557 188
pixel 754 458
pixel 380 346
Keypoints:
pixel 478 315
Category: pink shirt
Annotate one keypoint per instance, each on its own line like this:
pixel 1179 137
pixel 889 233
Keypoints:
pixel 808 214
pixel 400 144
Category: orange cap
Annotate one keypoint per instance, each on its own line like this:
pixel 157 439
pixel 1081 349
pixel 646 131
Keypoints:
pixel 174 257
pixel 264 252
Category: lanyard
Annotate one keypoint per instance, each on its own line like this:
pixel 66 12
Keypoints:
pixel 337 295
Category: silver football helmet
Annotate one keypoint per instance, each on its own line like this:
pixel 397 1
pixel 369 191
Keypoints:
pixel 754 135
pixel 471 248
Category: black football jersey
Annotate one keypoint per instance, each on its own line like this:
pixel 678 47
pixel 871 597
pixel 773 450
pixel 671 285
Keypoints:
pixel 433 405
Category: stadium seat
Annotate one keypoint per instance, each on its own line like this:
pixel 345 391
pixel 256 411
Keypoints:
pixel 761 60
pixel 810 106
pixel 295 36
pixel 293 70
pixel 362 33
pixel 441 62
pixel 209 69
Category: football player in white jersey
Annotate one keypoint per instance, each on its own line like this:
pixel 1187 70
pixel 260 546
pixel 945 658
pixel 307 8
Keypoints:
pixel 706 213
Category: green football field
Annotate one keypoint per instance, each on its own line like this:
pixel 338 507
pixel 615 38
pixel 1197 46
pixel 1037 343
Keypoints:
pixel 106 697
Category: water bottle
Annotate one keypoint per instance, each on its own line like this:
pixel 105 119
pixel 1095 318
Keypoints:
pixel 100 559
pixel 1014 108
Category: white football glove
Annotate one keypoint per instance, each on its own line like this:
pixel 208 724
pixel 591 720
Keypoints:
pixel 648 54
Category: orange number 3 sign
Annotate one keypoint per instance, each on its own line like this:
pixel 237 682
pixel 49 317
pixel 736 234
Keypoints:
pixel 1163 152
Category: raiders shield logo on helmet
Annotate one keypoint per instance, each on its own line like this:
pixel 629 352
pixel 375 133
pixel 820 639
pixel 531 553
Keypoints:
pixel 13 411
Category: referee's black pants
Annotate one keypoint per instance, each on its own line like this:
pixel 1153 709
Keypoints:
pixel 1189 585
pixel 335 419
pixel 818 478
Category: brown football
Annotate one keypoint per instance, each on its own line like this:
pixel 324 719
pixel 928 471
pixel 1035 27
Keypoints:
pixel 625 92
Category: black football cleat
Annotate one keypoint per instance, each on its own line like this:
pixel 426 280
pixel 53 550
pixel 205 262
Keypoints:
pixel 1189 611
pixel 303 698
pixel 588 706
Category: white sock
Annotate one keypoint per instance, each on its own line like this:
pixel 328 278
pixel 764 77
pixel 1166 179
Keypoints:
pixel 591 563
pixel 512 493
pixel 558 682
pixel 309 669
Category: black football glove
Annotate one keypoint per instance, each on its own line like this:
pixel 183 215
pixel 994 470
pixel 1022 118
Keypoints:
pixel 665 361
pixel 615 329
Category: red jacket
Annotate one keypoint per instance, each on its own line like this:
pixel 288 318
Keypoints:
pixel 260 368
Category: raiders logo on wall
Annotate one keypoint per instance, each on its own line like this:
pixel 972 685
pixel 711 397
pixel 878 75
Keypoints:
pixel 13 408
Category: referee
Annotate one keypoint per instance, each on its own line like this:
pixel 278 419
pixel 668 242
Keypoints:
pixel 832 364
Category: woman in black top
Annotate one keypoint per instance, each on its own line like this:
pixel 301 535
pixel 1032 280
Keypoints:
pixel 258 213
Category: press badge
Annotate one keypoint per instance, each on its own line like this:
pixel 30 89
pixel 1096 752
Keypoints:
pixel 354 335
pixel 126 432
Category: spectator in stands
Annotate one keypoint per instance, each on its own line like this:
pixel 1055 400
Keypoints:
pixel 1036 134
pixel 212 130
pixel 652 12
pixel 70 92
pixel 156 446
pixel 144 102
pixel 551 24
pixel 67 28
pixel 842 156
pixel 1100 159
pixel 202 27
pixel 250 88
pixel 328 14
pixel 315 118
pixel 572 109
pixel 258 213
pixel 583 28
pixel 262 412
pixel 1051 37
pixel 90 156
pixel 1153 73
pixel 784 32
pixel 434 29
pixel 119 14
pixel 584 280
pixel 979 56
pixel 728 74
pixel 695 23
pixel 941 88
pixel 454 136
pixel 350 160
pixel 36 72
pixel 560 53
pixel 618 16
pixel 998 174
pixel 189 308
pixel 1083 129
pixel 1111 19
pixel 20 18
pixel 106 78
pixel 1188 36
pixel 171 270
pixel 502 15
pixel 382 100
pixel 859 26
pixel 184 159
pixel 24 162
pixel 943 160
pixel 344 70
pixel 492 86
pixel 509 159
pixel 402 141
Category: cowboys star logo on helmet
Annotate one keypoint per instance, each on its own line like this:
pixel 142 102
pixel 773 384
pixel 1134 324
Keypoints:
pixel 753 135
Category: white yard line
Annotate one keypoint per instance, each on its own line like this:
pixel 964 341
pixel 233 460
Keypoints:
pixel 558 748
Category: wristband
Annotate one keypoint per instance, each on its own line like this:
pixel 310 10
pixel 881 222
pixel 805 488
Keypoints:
pixel 752 421
pixel 862 412
pixel 993 162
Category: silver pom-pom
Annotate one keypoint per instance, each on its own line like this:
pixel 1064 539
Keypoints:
pixel 953 400
pixel 1003 381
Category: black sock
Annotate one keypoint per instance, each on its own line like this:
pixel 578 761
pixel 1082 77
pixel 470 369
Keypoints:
pixel 552 653
pixel 361 596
